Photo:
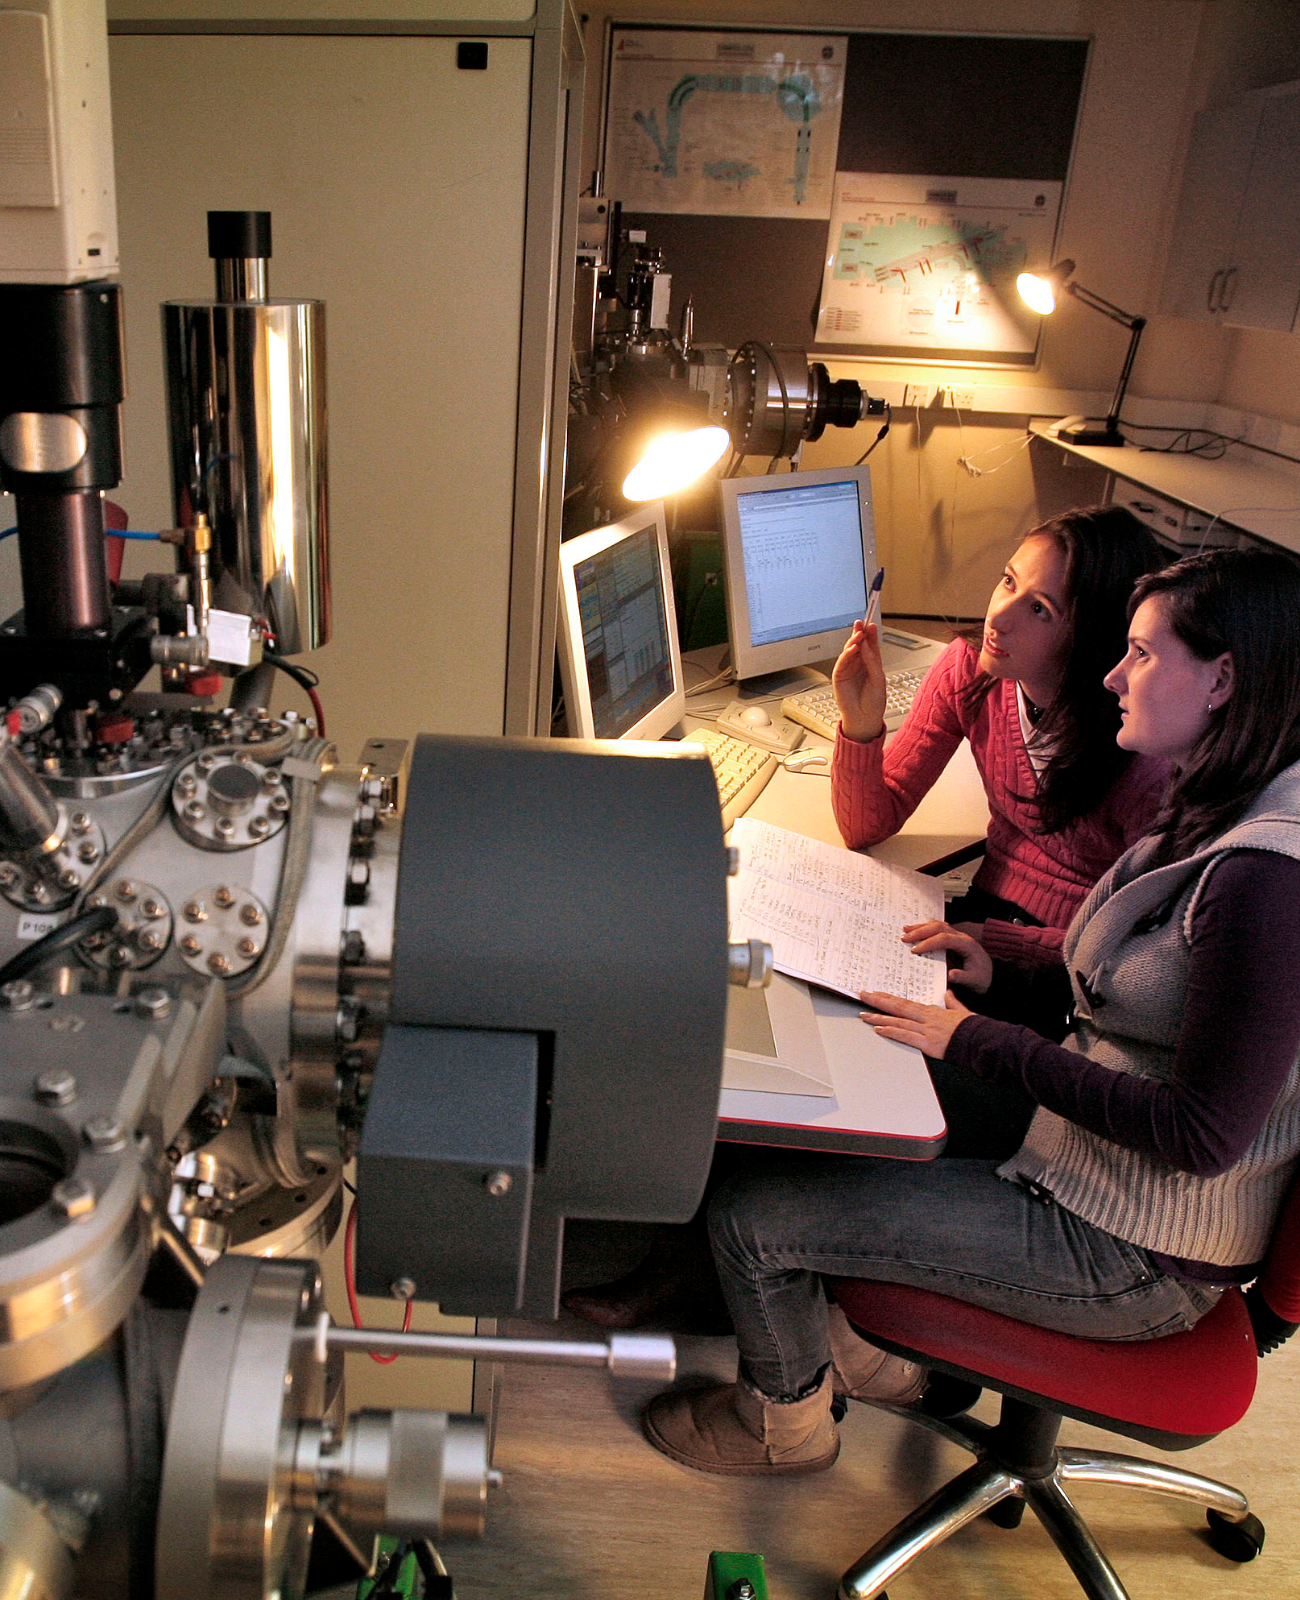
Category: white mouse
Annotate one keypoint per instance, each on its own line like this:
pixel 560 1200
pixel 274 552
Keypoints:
pixel 801 760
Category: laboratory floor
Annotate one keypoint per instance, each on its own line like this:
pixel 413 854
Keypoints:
pixel 588 1511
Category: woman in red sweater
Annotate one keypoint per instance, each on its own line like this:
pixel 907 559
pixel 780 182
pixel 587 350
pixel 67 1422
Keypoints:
pixel 1064 800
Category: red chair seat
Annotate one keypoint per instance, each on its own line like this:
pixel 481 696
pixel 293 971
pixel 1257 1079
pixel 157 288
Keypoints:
pixel 1196 1383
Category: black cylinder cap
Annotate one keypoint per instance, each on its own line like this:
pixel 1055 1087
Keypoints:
pixel 239 235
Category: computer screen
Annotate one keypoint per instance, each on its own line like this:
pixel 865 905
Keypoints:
pixel 620 663
pixel 799 552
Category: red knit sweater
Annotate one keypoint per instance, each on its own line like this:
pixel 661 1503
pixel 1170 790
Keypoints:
pixel 875 788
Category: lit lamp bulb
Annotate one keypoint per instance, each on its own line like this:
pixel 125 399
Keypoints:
pixel 1037 292
pixel 673 460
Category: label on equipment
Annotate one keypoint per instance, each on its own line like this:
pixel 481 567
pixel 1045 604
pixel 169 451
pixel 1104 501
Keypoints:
pixel 30 927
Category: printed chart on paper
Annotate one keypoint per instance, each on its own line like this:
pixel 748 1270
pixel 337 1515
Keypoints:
pixel 831 916
pixel 724 124
pixel 930 263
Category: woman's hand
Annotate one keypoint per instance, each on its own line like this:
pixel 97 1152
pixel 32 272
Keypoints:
pixel 974 969
pixel 928 1029
pixel 858 680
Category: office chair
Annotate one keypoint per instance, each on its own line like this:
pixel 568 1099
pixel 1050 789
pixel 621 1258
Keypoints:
pixel 1174 1393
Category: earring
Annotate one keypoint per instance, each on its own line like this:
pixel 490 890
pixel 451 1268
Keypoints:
pixel 1209 708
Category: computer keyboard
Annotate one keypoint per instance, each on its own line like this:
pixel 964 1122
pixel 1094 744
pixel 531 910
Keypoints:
pixel 816 708
pixel 740 769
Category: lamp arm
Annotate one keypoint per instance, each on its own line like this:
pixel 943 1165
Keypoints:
pixel 1107 309
pixel 1112 421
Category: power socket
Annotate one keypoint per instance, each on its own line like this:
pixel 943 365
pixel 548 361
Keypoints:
pixel 918 394
pixel 960 399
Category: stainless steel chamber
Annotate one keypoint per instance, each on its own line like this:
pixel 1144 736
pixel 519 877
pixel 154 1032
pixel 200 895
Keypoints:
pixel 247 428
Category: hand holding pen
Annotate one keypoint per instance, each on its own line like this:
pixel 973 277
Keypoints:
pixel 859 675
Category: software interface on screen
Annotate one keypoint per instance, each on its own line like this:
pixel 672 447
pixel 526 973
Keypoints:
pixel 803 560
pixel 624 632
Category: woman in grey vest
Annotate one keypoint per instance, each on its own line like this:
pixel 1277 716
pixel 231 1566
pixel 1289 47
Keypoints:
pixel 1167 1126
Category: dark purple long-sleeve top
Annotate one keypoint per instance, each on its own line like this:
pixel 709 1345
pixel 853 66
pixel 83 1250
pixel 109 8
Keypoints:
pixel 1240 1034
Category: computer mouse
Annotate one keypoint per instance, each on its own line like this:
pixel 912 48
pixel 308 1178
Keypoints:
pixel 801 760
pixel 755 717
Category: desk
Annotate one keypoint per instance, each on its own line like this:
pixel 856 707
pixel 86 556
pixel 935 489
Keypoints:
pixel 1258 494
pixel 884 1103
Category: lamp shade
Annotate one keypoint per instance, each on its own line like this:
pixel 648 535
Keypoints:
pixel 1039 290
pixel 672 459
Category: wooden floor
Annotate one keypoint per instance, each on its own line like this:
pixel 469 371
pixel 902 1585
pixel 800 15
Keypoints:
pixel 589 1512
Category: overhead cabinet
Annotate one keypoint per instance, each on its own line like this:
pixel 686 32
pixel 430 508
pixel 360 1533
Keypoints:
pixel 1235 257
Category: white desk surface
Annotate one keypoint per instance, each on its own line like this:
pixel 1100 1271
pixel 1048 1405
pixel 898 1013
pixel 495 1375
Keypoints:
pixel 884 1102
pixel 1244 488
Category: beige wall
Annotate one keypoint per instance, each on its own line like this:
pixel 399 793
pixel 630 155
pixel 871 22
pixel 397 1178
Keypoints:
pixel 942 531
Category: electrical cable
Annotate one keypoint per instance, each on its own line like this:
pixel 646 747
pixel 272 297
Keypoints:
pixel 293 873
pixel 143 824
pixel 889 417
pixel 99 919
pixel 1226 438
pixel 350 1283
pixel 306 680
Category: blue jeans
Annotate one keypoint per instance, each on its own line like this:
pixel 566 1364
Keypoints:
pixel 950 1225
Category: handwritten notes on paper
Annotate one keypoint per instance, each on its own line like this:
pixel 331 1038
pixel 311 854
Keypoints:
pixel 833 917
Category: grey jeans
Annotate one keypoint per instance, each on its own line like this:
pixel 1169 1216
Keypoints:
pixel 950 1225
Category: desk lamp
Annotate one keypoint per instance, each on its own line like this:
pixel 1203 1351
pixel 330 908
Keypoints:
pixel 681 448
pixel 1039 291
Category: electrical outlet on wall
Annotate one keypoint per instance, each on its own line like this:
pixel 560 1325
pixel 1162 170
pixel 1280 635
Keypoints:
pixel 918 394
pixel 960 399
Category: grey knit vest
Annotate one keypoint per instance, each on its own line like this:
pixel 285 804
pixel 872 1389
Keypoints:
pixel 1128 991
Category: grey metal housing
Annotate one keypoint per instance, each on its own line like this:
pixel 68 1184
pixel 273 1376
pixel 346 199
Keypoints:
pixel 566 891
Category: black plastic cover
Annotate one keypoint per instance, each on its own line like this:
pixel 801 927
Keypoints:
pixel 239 235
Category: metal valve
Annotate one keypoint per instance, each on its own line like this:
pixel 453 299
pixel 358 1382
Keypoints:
pixel 749 964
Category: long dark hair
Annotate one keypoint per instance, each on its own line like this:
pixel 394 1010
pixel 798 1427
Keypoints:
pixel 1245 603
pixel 1106 549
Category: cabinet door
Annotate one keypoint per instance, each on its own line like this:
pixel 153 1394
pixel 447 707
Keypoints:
pixel 1262 287
pixel 1214 181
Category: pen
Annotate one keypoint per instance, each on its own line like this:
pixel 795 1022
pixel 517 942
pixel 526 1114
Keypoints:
pixel 873 597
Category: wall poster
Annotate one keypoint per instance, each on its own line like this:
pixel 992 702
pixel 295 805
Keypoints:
pixel 724 123
pixel 928 265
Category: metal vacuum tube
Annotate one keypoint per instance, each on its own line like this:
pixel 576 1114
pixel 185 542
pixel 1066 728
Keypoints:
pixel 246 413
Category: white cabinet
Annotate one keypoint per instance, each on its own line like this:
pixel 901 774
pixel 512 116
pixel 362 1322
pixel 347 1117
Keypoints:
pixel 1235 255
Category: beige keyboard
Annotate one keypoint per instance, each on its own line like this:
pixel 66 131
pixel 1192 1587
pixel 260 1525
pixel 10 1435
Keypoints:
pixel 816 708
pixel 740 769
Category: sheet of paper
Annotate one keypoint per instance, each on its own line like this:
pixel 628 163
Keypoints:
pixel 831 916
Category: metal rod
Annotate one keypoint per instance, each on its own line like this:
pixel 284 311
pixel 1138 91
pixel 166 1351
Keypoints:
pixel 1112 421
pixel 1106 307
pixel 648 1355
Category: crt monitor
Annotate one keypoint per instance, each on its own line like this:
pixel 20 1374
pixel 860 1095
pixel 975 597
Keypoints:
pixel 799 552
pixel 620 662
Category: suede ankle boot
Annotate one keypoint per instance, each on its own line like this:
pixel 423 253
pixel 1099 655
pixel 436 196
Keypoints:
pixel 861 1370
pixel 732 1429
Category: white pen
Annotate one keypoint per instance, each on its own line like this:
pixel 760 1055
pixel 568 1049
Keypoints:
pixel 873 600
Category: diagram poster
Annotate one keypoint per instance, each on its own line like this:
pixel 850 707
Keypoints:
pixel 723 124
pixel 928 265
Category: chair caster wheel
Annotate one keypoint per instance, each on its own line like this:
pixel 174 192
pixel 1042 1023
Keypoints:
pixel 1238 1541
pixel 1007 1513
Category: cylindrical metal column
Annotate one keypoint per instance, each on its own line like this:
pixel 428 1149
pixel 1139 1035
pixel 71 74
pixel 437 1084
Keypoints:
pixel 61 556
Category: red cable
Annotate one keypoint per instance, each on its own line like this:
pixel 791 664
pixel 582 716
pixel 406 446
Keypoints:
pixel 320 720
pixel 350 1280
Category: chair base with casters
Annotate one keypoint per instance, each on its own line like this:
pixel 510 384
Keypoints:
pixel 1173 1393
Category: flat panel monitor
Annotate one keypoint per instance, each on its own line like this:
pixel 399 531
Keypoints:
pixel 799 552
pixel 620 662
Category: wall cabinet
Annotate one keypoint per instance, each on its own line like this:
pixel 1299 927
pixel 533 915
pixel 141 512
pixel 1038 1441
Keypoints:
pixel 1235 255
